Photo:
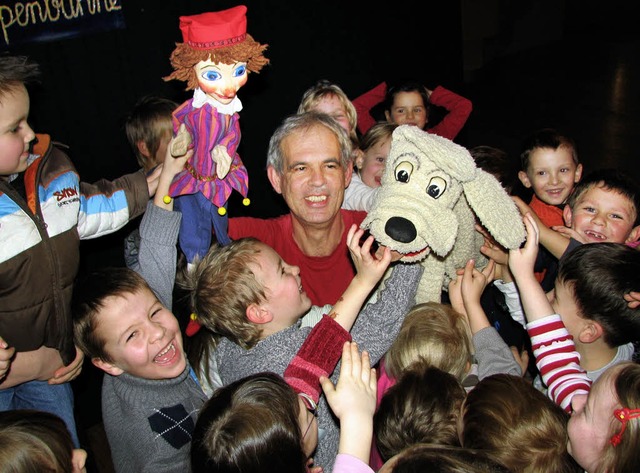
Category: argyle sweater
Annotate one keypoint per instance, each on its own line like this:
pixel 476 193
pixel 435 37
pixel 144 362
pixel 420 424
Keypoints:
pixel 149 422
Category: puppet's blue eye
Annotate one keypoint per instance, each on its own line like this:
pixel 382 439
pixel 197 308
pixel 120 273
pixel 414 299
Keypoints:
pixel 403 171
pixel 240 70
pixel 436 187
pixel 211 75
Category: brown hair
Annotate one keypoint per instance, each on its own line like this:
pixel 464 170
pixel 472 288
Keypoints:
pixel 522 428
pixel 422 407
pixel 435 334
pixel 184 58
pixel 249 425
pixel 89 296
pixel 34 441
pixel 15 71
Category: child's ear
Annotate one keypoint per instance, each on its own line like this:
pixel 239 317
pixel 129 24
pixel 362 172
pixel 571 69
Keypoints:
pixel 359 161
pixel 567 215
pixel 258 315
pixel 578 175
pixel 524 179
pixel 634 235
pixel 387 115
pixel 591 331
pixel 113 370
pixel 142 148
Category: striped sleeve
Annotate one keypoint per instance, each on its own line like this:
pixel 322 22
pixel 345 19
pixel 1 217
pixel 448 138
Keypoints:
pixel 557 360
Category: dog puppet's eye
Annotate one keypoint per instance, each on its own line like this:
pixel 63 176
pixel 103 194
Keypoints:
pixel 403 171
pixel 436 187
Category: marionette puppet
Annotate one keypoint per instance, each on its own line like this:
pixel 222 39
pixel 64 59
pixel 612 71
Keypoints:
pixel 214 60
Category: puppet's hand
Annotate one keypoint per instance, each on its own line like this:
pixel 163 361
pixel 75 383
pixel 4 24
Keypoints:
pixel 181 142
pixel 221 157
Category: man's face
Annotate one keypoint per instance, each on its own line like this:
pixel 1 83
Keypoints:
pixel 603 215
pixel 221 81
pixel 15 133
pixel 141 336
pixel 551 174
pixel 313 179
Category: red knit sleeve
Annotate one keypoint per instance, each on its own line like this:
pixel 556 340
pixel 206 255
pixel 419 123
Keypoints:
pixel 317 357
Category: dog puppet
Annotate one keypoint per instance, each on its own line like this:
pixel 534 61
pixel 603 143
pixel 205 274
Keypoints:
pixel 431 196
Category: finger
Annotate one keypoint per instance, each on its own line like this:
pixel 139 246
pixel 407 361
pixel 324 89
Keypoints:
pixel 356 361
pixel 489 269
pixel 366 247
pixel 351 233
pixel 346 357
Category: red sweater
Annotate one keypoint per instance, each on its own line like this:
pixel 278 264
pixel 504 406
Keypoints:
pixel 324 278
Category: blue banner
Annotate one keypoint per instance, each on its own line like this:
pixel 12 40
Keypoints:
pixel 50 20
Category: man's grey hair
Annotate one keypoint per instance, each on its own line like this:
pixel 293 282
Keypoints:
pixel 304 122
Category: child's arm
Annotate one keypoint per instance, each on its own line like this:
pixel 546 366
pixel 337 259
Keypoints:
pixel 159 230
pixel 492 353
pixel 552 240
pixel 369 270
pixel 459 109
pixel 365 102
pixel 553 347
pixel 353 401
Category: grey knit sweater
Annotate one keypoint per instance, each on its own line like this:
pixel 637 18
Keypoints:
pixel 375 330
pixel 149 422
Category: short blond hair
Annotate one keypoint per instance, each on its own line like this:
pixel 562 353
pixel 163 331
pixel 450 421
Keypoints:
pixel 434 334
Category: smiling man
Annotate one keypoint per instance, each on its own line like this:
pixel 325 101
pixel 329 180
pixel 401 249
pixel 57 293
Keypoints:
pixel 309 163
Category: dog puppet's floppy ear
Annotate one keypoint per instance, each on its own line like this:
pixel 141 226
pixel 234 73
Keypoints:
pixel 495 209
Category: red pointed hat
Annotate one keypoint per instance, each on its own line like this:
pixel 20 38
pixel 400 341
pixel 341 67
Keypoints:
pixel 215 29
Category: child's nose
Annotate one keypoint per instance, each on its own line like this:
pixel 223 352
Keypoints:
pixel 156 332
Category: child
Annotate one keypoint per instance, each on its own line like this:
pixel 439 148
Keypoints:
pixel 149 130
pixel 259 423
pixel 150 396
pixel 329 98
pixel 549 166
pixel 507 417
pixel 369 166
pixel 33 441
pixel 605 207
pixel 603 430
pixel 46 210
pixel 408 104
pixel 495 161
pixel 422 407
pixel 247 295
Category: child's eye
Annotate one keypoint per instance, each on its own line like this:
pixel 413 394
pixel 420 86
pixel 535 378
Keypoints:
pixel 564 170
pixel 617 217
pixel 131 335
pixel 380 160
pixel 155 311
pixel 541 173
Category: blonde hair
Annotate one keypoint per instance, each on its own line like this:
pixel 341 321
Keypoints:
pixel 434 334
pixel 222 286
pixel 322 89
pixel 521 427
pixel 377 133
pixel 625 456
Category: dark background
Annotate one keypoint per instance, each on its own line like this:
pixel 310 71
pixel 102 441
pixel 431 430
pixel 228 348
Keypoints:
pixel 569 64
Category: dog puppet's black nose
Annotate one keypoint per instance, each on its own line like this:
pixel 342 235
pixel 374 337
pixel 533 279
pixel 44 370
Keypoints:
pixel 400 229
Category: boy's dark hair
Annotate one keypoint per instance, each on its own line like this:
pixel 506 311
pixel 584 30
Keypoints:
pixel 394 89
pixel 148 122
pixel 422 407
pixel 545 138
pixel 15 71
pixel 600 274
pixel 609 179
pixel 88 300
pixel 249 425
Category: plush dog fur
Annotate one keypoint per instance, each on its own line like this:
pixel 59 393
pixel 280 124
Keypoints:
pixel 431 194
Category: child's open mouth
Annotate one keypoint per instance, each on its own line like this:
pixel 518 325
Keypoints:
pixel 166 355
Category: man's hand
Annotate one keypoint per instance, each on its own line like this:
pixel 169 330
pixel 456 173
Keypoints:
pixel 68 373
